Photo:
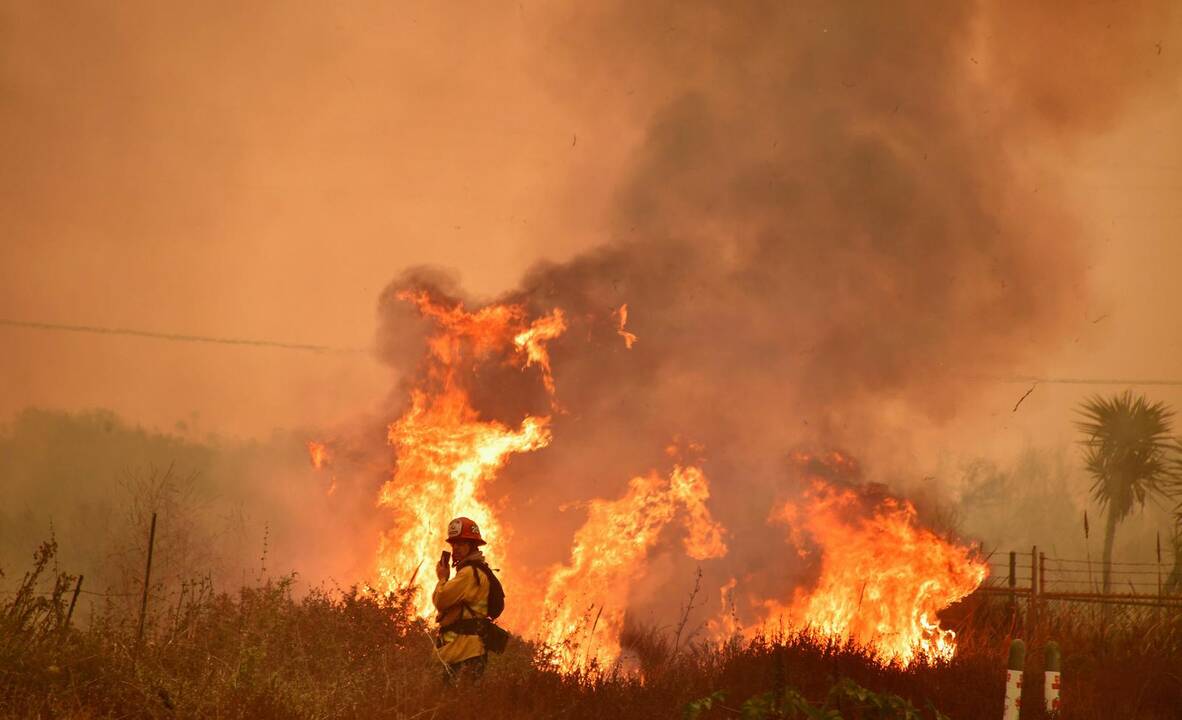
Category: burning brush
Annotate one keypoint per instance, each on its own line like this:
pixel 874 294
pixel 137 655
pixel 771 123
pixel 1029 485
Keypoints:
pixel 881 578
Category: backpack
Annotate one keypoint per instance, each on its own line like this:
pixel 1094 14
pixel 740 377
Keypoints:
pixel 494 637
pixel 496 592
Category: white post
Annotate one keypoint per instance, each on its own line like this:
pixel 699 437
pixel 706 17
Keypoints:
pixel 1014 680
pixel 1050 692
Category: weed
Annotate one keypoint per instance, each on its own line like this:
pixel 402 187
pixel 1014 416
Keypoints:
pixel 269 652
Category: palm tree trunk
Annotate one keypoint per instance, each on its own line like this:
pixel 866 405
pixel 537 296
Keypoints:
pixel 1174 582
pixel 1109 538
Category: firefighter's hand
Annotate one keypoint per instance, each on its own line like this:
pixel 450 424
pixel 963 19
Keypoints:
pixel 442 571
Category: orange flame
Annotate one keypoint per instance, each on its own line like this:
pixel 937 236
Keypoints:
pixel 629 338
pixel 533 340
pixel 725 627
pixel 584 601
pixel 319 454
pixel 882 578
pixel 447 455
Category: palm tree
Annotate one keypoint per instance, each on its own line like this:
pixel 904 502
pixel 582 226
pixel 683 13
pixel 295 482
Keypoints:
pixel 1174 582
pixel 1127 451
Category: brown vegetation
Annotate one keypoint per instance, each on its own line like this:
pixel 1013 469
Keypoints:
pixel 263 652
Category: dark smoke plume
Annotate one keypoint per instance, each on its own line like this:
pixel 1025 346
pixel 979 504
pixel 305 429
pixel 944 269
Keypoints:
pixel 827 226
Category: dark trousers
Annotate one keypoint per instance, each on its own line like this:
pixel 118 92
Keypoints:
pixel 466 672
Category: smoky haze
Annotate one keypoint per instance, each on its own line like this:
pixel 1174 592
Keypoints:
pixel 828 220
pixel 822 238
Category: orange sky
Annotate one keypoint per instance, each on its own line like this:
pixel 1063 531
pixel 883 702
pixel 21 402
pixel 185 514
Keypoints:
pixel 263 171
pixel 255 173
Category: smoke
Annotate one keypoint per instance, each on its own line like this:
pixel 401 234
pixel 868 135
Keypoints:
pixel 824 218
pixel 828 227
pixel 825 214
pixel 230 512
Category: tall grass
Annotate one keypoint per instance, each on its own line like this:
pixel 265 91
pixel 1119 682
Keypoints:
pixel 268 652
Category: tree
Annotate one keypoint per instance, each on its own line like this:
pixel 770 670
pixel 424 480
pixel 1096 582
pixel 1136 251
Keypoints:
pixel 1174 582
pixel 1127 452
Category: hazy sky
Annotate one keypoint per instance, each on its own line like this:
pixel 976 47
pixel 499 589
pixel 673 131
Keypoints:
pixel 262 170
pixel 254 170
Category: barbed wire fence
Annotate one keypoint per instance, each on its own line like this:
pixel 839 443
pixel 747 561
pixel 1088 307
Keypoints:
pixel 1034 576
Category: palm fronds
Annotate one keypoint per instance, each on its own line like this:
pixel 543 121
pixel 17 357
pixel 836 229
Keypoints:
pixel 1128 447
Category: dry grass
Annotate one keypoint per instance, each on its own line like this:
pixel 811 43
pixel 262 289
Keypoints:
pixel 262 652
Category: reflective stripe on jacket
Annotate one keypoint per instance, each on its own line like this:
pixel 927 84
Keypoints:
pixel 450 598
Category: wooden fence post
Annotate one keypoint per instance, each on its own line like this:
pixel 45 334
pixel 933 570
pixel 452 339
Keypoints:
pixel 74 600
pixel 147 579
pixel 1013 579
pixel 1033 571
pixel 1032 605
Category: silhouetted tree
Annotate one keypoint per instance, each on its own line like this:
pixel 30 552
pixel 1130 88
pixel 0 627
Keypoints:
pixel 1128 450
pixel 1174 582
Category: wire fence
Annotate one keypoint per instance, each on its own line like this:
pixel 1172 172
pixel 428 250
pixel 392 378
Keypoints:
pixel 45 593
pixel 1035 574
pixel 1018 574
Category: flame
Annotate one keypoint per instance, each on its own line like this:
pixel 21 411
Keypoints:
pixel 584 600
pixel 629 338
pixel 533 340
pixel 882 577
pixel 485 331
pixel 447 455
pixel 319 454
pixel 725 627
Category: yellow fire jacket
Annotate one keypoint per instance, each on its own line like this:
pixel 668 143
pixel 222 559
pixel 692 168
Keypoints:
pixel 449 598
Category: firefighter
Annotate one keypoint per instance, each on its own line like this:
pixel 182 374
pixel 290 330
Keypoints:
pixel 463 603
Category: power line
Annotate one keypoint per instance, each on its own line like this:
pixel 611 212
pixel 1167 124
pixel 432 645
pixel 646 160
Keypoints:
pixel 175 336
pixel 1083 381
